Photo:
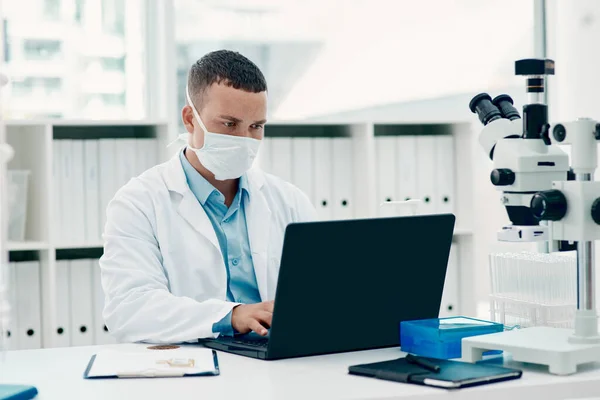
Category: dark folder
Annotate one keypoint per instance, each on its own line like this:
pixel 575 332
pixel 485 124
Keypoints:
pixel 451 375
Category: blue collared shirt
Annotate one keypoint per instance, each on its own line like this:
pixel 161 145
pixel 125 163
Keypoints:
pixel 230 227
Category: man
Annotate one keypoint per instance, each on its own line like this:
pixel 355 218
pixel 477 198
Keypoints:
pixel 192 246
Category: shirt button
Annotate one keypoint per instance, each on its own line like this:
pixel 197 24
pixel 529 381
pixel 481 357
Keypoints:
pixel 235 261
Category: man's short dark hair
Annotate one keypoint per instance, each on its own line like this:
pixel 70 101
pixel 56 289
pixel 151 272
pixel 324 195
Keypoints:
pixel 227 67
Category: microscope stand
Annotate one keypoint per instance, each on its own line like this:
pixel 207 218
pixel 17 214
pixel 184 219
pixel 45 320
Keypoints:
pixel 536 345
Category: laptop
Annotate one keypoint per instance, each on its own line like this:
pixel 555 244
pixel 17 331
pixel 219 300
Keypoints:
pixel 347 285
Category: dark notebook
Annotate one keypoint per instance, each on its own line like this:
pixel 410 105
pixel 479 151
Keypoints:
pixel 451 375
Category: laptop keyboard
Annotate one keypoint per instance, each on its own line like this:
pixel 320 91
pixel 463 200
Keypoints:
pixel 250 342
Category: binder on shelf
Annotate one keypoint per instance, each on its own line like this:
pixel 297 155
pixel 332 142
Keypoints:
pixel 445 174
pixel 82 324
pixel 108 175
pixel 303 165
pixel 126 161
pixel 92 191
pixel 450 296
pixel 67 216
pixel 146 155
pixel 58 205
pixel 281 158
pixel 77 191
pixel 343 179
pixel 11 341
pixel 426 169
pixel 101 334
pixel 322 177
pixel 406 168
pixel 385 167
pixel 263 158
pixel 28 304
pixel 62 330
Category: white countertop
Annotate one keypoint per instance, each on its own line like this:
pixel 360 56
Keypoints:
pixel 58 374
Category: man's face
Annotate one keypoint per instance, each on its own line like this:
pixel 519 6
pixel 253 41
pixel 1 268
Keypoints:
pixel 227 111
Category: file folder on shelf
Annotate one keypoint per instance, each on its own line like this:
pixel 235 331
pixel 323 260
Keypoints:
pixel 426 168
pixel 445 174
pixel 66 178
pixel 303 165
pixel 281 158
pixel 58 205
pixel 82 324
pixel 323 177
pixel 385 158
pixel 11 340
pixel 28 304
pixel 263 159
pixel 108 175
pixel 343 182
pixel 146 155
pixel 92 192
pixel 62 330
pixel 406 168
pixel 77 191
pixel 125 161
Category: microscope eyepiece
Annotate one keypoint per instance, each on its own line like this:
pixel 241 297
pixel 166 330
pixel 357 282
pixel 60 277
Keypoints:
pixel 484 108
pixel 505 104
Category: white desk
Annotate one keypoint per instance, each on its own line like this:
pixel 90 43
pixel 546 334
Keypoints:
pixel 57 373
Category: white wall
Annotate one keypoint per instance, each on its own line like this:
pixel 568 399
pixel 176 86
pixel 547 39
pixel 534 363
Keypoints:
pixel 573 32
pixel 573 35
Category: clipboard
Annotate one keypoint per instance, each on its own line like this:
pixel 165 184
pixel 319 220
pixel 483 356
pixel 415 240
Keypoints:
pixel 151 364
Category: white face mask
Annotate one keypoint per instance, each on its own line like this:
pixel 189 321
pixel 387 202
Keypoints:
pixel 226 156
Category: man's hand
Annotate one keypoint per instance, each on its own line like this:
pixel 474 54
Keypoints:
pixel 253 317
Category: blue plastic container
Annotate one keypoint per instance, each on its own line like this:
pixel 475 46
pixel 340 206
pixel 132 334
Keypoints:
pixel 441 337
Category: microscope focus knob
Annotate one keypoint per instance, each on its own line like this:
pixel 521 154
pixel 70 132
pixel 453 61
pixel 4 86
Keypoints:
pixel 596 211
pixel 502 177
pixel 559 132
pixel 549 205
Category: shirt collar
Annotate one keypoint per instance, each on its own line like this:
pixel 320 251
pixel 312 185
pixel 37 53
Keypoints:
pixel 243 185
pixel 202 188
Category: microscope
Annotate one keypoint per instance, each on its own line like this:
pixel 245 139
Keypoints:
pixel 547 201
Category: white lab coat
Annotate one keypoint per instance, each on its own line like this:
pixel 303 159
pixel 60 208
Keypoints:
pixel 163 272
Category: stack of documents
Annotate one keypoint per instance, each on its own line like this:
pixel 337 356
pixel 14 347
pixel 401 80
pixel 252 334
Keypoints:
pixel 153 364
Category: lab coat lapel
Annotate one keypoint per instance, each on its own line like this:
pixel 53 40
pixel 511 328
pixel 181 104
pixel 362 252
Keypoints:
pixel 191 210
pixel 189 207
pixel 258 221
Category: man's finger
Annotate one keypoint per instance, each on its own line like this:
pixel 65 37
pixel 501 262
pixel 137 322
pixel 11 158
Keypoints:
pixel 268 306
pixel 257 327
pixel 265 318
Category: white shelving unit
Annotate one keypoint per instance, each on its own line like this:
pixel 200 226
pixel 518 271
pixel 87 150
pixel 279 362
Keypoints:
pixel 27 246
pixel 32 141
pixel 33 144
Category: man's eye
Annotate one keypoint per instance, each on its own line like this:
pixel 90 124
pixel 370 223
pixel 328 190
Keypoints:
pixel 257 126
pixel 229 124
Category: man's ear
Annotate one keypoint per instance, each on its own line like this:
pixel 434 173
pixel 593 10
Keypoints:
pixel 187 116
